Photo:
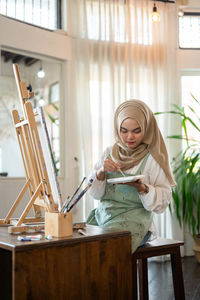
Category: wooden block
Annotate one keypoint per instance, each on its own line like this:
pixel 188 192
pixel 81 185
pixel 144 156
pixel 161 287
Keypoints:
pixel 58 224
pixel 28 228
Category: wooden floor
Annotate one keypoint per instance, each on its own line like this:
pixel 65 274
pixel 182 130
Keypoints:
pixel 160 279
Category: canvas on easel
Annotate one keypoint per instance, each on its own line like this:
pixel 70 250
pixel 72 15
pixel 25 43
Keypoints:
pixel 41 181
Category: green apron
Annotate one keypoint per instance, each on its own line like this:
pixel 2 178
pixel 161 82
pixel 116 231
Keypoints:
pixel 121 207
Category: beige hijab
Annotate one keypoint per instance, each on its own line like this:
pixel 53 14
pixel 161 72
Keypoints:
pixel 152 138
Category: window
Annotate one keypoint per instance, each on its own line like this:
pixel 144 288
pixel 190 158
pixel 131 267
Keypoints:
pixel 189 30
pixel 118 32
pixel 190 85
pixel 54 93
pixel 43 13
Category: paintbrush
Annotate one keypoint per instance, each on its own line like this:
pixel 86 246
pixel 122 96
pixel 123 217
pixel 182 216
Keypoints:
pixel 121 172
pixel 119 168
pixel 69 207
pixel 67 202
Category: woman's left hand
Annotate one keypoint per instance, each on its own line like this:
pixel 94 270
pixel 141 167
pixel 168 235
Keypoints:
pixel 138 185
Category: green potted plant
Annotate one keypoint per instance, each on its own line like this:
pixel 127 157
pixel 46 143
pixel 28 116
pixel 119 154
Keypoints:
pixel 186 169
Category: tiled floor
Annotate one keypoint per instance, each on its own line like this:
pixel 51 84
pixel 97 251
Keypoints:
pixel 161 284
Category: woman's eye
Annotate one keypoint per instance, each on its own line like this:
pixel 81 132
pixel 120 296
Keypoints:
pixel 137 131
pixel 123 130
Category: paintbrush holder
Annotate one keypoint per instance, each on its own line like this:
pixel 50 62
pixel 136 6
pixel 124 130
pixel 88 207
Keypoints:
pixel 58 224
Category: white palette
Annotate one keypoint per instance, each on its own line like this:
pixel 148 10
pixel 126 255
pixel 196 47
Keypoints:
pixel 125 179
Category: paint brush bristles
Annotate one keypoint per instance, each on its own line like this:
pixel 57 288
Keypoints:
pixel 121 172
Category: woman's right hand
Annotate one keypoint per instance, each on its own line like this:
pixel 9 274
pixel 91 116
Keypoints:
pixel 108 165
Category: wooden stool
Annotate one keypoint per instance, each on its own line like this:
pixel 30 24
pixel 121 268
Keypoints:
pixel 158 247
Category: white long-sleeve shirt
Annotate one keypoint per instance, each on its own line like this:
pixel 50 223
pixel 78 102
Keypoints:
pixel 159 195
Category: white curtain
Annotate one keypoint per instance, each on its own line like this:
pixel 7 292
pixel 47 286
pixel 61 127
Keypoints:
pixel 119 54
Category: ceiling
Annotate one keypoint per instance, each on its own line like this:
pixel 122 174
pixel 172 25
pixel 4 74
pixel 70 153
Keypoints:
pixel 16 58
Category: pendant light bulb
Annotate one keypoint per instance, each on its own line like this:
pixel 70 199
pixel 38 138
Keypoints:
pixel 155 15
pixel 41 73
pixel 180 13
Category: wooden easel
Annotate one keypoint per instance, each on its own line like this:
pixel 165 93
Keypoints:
pixel 37 181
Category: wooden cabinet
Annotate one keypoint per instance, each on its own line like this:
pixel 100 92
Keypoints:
pixel 96 266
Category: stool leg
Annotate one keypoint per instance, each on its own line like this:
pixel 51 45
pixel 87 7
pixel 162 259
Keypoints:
pixel 143 279
pixel 134 277
pixel 177 273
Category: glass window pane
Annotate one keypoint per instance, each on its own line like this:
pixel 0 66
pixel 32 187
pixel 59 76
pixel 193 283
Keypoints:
pixel 38 12
pixel 11 8
pixel 19 10
pixel 190 86
pixel 99 27
pixel 28 11
pixel 189 32
pixel 3 7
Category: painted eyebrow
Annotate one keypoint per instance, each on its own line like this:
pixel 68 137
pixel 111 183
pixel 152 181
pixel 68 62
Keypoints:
pixel 133 129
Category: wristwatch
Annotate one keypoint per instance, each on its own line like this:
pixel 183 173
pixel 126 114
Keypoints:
pixel 146 190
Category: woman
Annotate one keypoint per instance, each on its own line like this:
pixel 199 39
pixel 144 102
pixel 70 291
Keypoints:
pixel 139 149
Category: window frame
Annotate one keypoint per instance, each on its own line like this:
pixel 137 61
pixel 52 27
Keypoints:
pixel 187 14
pixel 187 73
pixel 58 20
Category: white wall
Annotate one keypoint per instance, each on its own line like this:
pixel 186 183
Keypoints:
pixel 19 35
pixel 11 156
pixel 9 191
pixel 188 59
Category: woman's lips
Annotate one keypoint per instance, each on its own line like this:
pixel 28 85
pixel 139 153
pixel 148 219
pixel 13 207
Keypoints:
pixel 130 143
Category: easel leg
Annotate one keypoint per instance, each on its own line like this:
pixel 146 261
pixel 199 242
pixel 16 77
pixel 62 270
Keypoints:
pixel 28 207
pixel 11 211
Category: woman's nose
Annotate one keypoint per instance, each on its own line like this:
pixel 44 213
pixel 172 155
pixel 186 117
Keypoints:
pixel 131 135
